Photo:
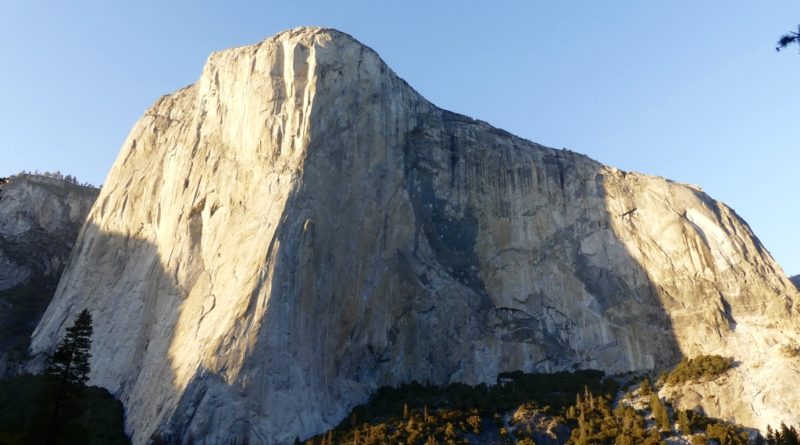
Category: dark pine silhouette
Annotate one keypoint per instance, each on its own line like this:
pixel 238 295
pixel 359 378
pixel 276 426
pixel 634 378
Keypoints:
pixel 788 39
pixel 69 367
pixel 70 362
pixel 782 436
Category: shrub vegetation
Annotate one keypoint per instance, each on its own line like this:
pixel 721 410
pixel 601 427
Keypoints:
pixel 700 368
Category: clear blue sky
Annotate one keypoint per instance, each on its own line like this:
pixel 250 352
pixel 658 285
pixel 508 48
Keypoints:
pixel 686 89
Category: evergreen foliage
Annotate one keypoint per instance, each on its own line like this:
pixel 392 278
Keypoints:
pixel 69 372
pixel 700 368
pixel 783 436
pixel 461 414
pixel 788 39
pixel 684 424
pixel 418 414
pixel 726 434
pixel 56 175
pixel 646 388
pixel 93 418
pixel 660 414
pixel 70 362
pixel 596 423
pixel 555 390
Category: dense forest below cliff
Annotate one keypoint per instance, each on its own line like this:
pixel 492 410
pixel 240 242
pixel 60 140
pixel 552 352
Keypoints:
pixel 573 408
pixel 576 408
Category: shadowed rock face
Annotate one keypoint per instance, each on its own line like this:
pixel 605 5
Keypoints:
pixel 39 221
pixel 300 227
pixel 796 280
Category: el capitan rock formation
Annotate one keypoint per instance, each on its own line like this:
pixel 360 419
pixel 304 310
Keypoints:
pixel 300 227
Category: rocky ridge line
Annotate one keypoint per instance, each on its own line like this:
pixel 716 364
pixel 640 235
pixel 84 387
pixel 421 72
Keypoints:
pixel 40 217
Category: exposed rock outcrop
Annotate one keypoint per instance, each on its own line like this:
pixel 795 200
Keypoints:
pixel 300 227
pixel 39 221
pixel 796 280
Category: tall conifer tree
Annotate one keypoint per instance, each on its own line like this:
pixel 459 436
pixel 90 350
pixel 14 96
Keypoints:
pixel 70 362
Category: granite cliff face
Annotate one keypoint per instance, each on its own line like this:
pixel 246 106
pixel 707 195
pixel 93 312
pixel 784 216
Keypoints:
pixel 300 227
pixel 39 221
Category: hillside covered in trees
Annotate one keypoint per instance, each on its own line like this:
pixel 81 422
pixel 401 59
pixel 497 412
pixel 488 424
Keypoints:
pixel 579 408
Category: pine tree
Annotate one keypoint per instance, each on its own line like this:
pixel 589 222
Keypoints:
pixel 623 439
pixel 449 431
pixel 70 362
pixel 646 389
pixel 788 39
pixel 69 365
pixel 660 414
pixel 770 439
pixel 787 435
pixel 587 396
pixel 684 424
pixel 794 438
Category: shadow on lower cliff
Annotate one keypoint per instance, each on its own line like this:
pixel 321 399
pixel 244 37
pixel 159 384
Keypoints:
pixel 557 283
pixel 135 304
